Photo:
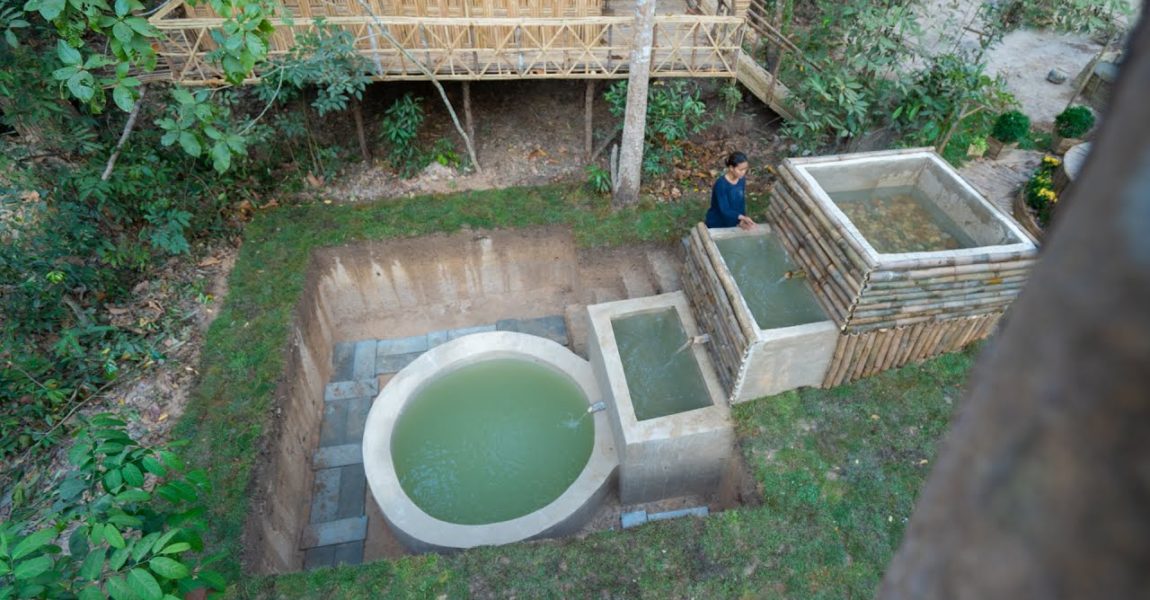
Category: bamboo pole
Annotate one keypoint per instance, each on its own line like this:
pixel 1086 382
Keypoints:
pixel 851 247
pixel 848 342
pixel 866 341
pixel 836 361
pixel 833 253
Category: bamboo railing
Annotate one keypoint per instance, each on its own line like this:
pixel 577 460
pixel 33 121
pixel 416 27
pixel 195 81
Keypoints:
pixel 470 48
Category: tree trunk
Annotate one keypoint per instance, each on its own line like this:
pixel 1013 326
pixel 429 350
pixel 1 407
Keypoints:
pixel 357 112
pixel 588 106
pixel 635 118
pixel 468 122
pixel 1042 488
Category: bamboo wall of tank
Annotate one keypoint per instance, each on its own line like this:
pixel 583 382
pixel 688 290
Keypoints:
pixel 861 293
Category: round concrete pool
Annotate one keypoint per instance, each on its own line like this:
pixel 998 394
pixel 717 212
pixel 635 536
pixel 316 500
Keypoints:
pixel 487 440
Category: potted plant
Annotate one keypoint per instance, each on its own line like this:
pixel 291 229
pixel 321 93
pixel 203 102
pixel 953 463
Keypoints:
pixel 1008 128
pixel 1035 203
pixel 1070 126
pixel 977 147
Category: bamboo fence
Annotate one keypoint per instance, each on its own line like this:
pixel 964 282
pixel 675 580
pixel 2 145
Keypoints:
pixel 865 353
pixel 861 293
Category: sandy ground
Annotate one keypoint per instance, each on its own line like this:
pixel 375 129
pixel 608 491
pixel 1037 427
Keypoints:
pixel 1023 59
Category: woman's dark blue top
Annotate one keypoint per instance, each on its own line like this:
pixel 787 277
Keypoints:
pixel 728 201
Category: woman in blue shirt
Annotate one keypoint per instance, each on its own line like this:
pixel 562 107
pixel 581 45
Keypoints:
pixel 729 196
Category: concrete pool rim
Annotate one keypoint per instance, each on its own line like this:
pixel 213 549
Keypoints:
pixel 420 531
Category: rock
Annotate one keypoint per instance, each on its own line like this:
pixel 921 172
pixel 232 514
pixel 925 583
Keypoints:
pixel 1056 76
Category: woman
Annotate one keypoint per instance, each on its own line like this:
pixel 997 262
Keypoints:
pixel 729 196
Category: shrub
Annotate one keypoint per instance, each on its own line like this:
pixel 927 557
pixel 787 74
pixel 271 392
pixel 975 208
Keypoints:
pixel 598 179
pixel 674 113
pixel 1040 194
pixel 1074 122
pixel 1010 127
pixel 400 129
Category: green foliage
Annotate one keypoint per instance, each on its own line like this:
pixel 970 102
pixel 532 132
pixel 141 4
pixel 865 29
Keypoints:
pixel 1010 127
pixel 1040 195
pixel 598 179
pixel 949 89
pixel 443 153
pixel 730 95
pixel 674 113
pixel 400 130
pixel 1082 16
pixel 1074 122
pixel 847 81
pixel 324 58
pixel 133 520
pixel 202 128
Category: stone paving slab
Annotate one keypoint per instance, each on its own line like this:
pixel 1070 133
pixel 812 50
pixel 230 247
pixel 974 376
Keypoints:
pixel 325 496
pixel 335 532
pixel 453 334
pixel 553 328
pixel 350 553
pixel 407 345
pixel 337 456
pixel 342 361
pixel 393 363
pixel 314 558
pixel 345 390
pixel 364 366
pixel 343 421
pixel 436 338
pixel 352 491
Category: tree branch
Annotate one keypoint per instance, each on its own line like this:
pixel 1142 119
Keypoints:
pixel 124 136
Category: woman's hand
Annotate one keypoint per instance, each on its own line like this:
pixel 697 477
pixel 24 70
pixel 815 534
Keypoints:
pixel 745 223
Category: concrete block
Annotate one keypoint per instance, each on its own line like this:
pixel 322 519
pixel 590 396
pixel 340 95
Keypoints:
pixel 334 532
pixel 637 284
pixel 633 519
pixel 357 410
pixel 337 456
pixel 666 273
pixel 350 553
pixel 553 328
pixel 462 331
pixel 325 496
pixel 342 361
pixel 352 492
pixel 507 325
pixel 315 558
pixel 393 363
pixel 406 345
pixel 343 390
pixel 364 365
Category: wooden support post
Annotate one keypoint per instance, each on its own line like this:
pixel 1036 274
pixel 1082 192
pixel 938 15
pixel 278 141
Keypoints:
pixel 635 118
pixel 361 133
pixel 589 101
pixel 468 122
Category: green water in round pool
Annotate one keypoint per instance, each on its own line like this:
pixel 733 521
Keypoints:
pixel 492 441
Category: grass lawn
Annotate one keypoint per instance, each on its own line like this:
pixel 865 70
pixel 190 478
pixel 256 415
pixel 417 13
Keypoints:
pixel 839 468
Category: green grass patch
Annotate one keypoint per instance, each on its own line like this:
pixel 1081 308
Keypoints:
pixel 839 468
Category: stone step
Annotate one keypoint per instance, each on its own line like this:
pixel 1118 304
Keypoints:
pixel 637 283
pixel 665 271
pixel 600 295
pixel 578 324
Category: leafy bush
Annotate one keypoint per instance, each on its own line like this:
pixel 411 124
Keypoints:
pixel 1040 194
pixel 598 179
pixel 1010 127
pixel 950 89
pixel 1074 122
pixel 443 153
pixel 1079 16
pixel 674 113
pixel 399 129
pixel 133 520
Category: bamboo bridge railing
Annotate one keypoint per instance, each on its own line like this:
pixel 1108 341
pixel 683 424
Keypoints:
pixel 470 48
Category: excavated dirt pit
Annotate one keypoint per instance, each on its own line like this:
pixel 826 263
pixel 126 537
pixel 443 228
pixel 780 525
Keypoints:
pixel 312 507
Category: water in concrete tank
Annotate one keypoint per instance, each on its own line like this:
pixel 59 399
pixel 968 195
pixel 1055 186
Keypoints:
pixel 662 375
pixel 759 265
pixel 492 441
pixel 901 219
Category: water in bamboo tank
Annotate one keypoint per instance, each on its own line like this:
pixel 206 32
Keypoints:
pixel 759 265
pixel 901 219
pixel 659 364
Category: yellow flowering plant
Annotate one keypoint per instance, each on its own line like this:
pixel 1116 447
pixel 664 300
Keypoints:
pixel 1040 194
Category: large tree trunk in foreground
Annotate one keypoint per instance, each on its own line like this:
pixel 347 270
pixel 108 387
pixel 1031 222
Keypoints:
pixel 1042 489
pixel 635 117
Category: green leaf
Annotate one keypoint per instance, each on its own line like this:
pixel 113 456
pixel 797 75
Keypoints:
pixel 91 592
pixel 31 568
pixel 118 558
pixel 133 496
pixel 189 143
pixel 50 9
pixel 122 8
pixel 68 55
pixel 132 475
pixel 119 589
pixel 169 568
pixel 144 546
pixel 122 32
pixel 82 85
pixel 33 543
pixel 214 579
pixel 176 548
pixel 113 481
pixel 182 96
pixel 93 565
pixel 124 98
pixel 221 160
pixel 153 466
pixel 112 535
pixel 144 585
